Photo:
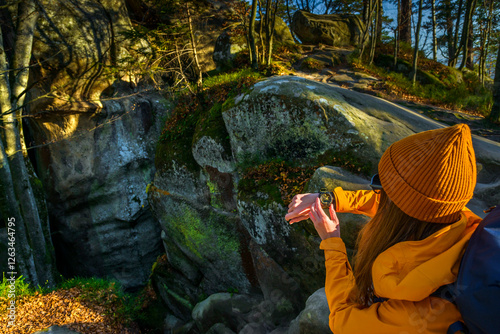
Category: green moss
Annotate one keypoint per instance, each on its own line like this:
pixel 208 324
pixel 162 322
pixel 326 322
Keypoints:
pixel 231 77
pixel 208 238
pixel 211 124
pixel 179 149
pixel 215 200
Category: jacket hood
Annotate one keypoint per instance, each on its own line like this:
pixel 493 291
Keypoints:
pixel 413 270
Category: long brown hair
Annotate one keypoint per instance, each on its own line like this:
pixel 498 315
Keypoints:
pixel 389 226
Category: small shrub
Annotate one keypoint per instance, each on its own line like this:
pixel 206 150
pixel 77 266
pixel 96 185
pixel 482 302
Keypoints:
pixel 276 68
pixel 21 288
pixel 312 64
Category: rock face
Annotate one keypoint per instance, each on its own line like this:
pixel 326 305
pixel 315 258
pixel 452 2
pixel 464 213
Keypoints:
pixel 222 217
pixel 98 137
pixel 334 29
pixel 82 50
pixel 95 175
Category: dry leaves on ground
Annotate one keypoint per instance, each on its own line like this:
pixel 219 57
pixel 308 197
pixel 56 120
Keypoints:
pixel 63 308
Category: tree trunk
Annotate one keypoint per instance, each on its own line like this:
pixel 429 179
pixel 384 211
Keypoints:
pixel 24 257
pixel 366 32
pixel 28 16
pixel 405 24
pixel 251 36
pixel 270 29
pixel 434 38
pixel 449 29
pixel 456 47
pixel 396 36
pixel 485 43
pixel 366 11
pixel 261 36
pixel 469 61
pixel 11 101
pixel 380 14
pixel 417 40
pixel 495 110
pixel 199 82
pixel 374 32
pixel 469 12
pixel 24 262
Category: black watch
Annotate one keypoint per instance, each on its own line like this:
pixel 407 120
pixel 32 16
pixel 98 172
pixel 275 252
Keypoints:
pixel 326 197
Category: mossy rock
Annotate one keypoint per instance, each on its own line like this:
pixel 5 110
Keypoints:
pixel 210 143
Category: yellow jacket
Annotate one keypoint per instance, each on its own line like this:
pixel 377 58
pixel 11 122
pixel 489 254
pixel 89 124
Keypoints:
pixel 405 274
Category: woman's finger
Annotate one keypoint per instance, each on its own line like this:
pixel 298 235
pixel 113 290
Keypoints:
pixel 333 214
pixel 313 215
pixel 294 214
pixel 298 219
pixel 321 213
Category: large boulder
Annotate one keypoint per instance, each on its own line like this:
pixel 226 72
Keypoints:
pixel 222 189
pixel 332 29
pixel 282 34
pixel 93 140
pixel 314 318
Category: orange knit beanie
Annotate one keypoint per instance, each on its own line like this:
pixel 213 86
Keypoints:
pixel 431 175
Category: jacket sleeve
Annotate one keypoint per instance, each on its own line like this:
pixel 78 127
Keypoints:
pixel 362 201
pixel 431 315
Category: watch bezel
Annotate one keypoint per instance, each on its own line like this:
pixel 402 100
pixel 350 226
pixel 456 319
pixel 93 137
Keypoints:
pixel 325 197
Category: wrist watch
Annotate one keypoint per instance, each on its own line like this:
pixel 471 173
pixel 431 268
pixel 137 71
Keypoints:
pixel 326 197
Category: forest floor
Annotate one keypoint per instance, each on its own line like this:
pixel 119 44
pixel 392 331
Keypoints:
pixel 350 77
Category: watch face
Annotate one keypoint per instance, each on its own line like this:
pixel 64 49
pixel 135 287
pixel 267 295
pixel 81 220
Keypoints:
pixel 325 198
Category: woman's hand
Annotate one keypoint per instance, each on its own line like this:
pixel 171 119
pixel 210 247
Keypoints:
pixel 326 227
pixel 299 207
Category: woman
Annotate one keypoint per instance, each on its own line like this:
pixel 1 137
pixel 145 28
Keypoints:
pixel 413 243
